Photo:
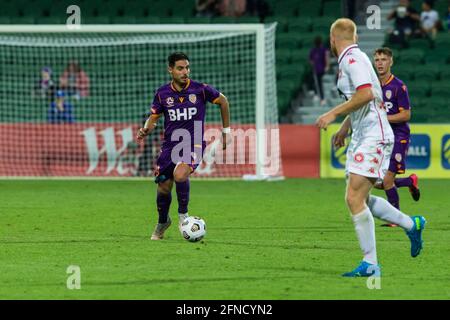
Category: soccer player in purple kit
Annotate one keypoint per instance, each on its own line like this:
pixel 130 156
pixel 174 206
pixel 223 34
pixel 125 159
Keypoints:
pixel 183 104
pixel 396 102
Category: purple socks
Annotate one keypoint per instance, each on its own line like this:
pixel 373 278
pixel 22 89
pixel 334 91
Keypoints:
pixel 163 204
pixel 403 182
pixel 183 195
pixel 393 198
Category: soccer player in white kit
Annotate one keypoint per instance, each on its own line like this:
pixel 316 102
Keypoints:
pixel 370 148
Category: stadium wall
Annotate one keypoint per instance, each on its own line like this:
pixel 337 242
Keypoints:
pixel 109 149
pixel 300 150
pixel 428 154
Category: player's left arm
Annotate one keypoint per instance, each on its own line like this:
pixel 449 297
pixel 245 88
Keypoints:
pixel 222 101
pixel 402 116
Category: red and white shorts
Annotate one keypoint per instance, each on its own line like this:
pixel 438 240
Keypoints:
pixel 369 158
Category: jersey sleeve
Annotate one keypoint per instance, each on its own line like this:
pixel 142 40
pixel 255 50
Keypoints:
pixel 211 94
pixel 403 98
pixel 156 107
pixel 358 71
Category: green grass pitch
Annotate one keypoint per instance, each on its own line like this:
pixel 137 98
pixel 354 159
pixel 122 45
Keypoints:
pixel 290 239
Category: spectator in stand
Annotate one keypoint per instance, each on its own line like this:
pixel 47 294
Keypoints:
pixel 232 8
pixel 257 8
pixel 206 8
pixel 406 22
pixel 60 110
pixel 429 20
pixel 319 57
pixel 75 81
pixel 45 87
pixel 448 18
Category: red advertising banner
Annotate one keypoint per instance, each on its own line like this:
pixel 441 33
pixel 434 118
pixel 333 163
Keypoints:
pixel 99 150
pixel 300 150
pixel 110 149
pixel 65 149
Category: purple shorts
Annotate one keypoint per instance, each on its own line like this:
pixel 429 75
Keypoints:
pixel 166 165
pixel 397 163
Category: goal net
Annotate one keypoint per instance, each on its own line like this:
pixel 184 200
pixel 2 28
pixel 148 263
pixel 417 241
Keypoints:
pixel 72 101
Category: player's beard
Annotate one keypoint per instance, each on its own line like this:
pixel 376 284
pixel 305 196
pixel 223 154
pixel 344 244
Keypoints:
pixel 334 50
pixel 181 82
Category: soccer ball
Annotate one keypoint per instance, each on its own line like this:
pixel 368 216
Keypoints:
pixel 193 229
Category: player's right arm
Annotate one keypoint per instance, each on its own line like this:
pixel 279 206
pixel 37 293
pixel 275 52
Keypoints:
pixel 150 123
pixel 339 137
pixel 362 97
pixel 359 73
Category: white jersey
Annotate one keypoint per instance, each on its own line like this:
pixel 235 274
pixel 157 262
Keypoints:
pixel 355 72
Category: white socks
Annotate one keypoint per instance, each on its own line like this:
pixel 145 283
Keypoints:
pixel 384 210
pixel 365 226
pixel 182 216
pixel 365 230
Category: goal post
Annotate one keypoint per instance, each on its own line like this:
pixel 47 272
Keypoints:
pixel 124 65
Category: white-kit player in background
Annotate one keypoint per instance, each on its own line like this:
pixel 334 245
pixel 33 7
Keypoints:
pixel 369 151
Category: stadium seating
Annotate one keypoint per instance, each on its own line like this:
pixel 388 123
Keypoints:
pixel 288 41
pixel 332 9
pixel 439 56
pixel 426 72
pixel 403 71
pixel 299 22
pixel 310 8
pixel 411 56
pixel 300 25
pixel 424 68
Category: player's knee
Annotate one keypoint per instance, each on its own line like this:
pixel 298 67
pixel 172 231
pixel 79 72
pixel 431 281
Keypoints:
pixel 164 188
pixel 388 182
pixel 181 173
pixel 164 191
pixel 354 202
pixel 349 200
pixel 180 177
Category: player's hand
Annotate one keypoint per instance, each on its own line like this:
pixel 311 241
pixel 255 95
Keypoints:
pixel 142 133
pixel 339 139
pixel 226 140
pixel 324 120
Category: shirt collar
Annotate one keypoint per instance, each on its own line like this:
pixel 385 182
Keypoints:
pixel 389 80
pixel 343 53
pixel 187 85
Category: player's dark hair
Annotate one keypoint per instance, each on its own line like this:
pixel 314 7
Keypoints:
pixel 384 50
pixel 176 56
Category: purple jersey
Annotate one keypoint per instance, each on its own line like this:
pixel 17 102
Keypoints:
pixel 396 99
pixel 185 109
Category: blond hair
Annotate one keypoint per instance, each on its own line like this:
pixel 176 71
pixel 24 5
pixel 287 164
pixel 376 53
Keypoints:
pixel 344 29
